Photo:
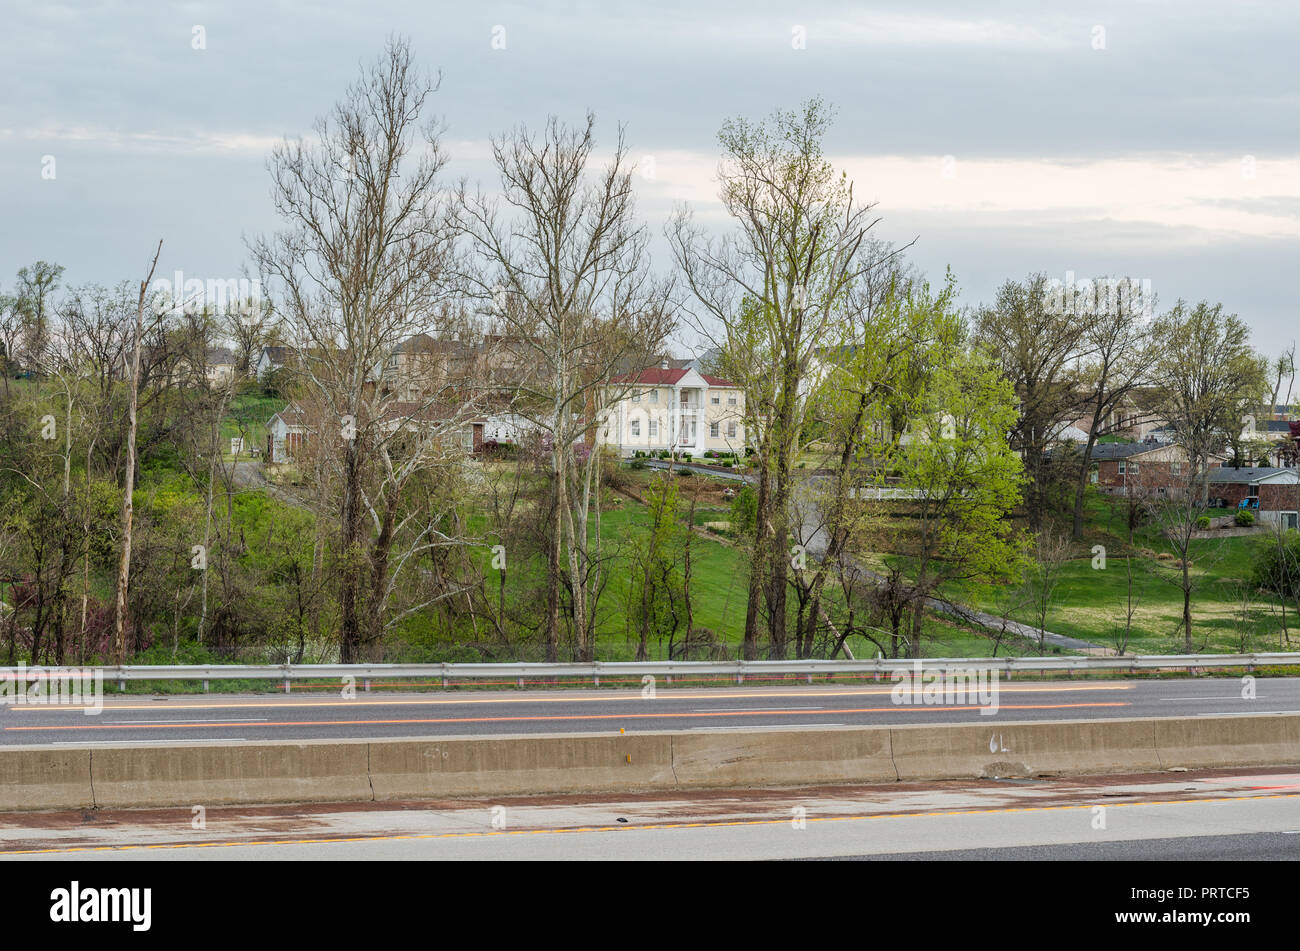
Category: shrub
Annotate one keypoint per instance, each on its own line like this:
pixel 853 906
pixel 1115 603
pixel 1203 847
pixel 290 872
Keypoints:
pixel 1244 518
pixel 1277 567
pixel 744 511
pixel 1203 523
pixel 638 462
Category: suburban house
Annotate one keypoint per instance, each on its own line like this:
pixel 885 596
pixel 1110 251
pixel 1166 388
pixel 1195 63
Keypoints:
pixel 219 365
pixel 677 409
pixel 1129 420
pixel 1138 468
pixel 1277 491
pixel 285 432
pixel 270 360
pixel 289 429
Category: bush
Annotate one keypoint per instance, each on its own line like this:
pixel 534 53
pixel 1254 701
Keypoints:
pixel 1277 567
pixel 1244 517
pixel 638 455
pixel 1203 523
pixel 638 462
pixel 744 511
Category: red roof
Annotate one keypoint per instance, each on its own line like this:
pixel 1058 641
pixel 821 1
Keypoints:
pixel 658 376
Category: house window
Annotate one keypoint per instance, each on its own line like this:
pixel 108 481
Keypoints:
pixel 731 399
pixel 636 396
pixel 1122 465
pixel 654 398
pixel 731 429
pixel 1291 519
pixel 636 428
pixel 1133 469
pixel 654 428
pixel 1176 468
pixel 715 398
pixel 713 430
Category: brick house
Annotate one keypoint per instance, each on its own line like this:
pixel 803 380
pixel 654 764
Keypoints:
pixel 1277 489
pixel 1139 468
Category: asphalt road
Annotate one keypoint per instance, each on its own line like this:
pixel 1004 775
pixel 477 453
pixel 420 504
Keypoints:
pixel 137 720
pixel 1215 814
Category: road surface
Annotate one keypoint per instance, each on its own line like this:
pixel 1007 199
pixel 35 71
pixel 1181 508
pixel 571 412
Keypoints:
pixel 313 715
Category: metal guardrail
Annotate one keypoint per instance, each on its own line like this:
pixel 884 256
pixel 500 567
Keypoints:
pixel 737 670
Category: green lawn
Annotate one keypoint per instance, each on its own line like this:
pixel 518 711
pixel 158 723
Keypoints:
pixel 1091 603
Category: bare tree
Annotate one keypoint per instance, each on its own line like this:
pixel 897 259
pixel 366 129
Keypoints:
pixel 361 266
pixel 1206 379
pixel 1051 553
pixel 128 487
pixel 562 266
pixel 1118 344
pixel 1036 342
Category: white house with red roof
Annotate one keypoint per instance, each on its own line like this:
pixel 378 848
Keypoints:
pixel 681 410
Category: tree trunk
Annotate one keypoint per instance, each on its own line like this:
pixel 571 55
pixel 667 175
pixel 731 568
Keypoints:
pixel 128 508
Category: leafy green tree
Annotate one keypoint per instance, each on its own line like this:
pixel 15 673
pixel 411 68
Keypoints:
pixel 966 481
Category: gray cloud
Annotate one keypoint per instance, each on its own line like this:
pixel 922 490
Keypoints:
pixel 155 139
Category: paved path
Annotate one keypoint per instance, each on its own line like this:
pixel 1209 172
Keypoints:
pixel 1212 814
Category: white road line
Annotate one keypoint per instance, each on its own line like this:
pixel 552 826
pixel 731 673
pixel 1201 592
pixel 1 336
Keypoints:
pixel 747 709
pixel 187 740
pixel 189 721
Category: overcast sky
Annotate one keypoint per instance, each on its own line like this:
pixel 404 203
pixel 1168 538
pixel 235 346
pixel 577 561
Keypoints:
pixel 1154 139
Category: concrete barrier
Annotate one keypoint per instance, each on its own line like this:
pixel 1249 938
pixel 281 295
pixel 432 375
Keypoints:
pixel 1014 748
pixel 513 765
pixel 783 757
pixel 1206 742
pixel 485 767
pixel 180 775
pixel 45 778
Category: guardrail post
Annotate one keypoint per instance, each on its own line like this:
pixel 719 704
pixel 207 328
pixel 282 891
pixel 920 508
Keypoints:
pixel 121 685
pixel 286 684
pixel 367 685
pixel 519 682
pixel 205 686
pixel 595 679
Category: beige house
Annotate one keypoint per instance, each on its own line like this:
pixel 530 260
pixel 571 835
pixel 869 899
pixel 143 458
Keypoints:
pixel 680 410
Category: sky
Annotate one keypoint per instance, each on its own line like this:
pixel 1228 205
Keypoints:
pixel 1157 140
